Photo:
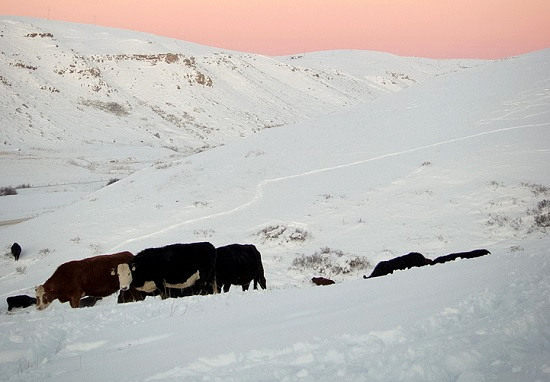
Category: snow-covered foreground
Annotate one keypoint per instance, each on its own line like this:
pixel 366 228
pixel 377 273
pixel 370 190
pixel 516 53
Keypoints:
pixel 457 162
pixel 470 320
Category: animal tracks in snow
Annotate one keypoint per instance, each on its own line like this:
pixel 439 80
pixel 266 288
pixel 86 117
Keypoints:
pixel 260 187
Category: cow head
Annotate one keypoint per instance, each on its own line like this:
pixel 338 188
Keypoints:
pixel 124 272
pixel 43 298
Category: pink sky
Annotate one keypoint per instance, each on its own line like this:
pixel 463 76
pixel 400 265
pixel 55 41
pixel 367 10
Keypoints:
pixel 429 28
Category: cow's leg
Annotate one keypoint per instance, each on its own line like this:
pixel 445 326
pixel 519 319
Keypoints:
pixel 262 282
pixel 75 301
pixel 255 283
pixel 226 287
pixel 161 287
pixel 215 289
pixel 246 286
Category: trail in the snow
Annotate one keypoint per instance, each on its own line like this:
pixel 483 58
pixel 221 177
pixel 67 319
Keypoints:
pixel 263 184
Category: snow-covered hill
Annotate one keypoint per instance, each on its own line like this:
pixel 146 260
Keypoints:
pixel 101 103
pixel 455 160
pixel 69 84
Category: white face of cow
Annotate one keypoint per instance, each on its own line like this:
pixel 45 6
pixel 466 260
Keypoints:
pixel 42 300
pixel 124 276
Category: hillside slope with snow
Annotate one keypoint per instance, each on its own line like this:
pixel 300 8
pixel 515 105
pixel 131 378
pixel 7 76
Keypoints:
pixel 82 104
pixel 68 84
pixel 456 162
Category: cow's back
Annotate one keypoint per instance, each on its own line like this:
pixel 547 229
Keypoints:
pixel 412 259
pixel 237 257
pixel 461 255
pixel 65 276
pixel 168 262
pixel 176 263
pixel 96 273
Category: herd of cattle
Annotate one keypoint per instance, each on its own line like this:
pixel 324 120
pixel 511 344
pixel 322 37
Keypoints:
pixel 172 271
pixel 178 270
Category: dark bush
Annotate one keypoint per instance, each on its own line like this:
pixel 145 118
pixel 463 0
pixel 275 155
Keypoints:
pixel 4 191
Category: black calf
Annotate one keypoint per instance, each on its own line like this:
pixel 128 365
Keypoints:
pixel 21 301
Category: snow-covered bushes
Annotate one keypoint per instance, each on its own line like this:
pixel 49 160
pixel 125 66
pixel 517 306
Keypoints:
pixel 542 214
pixel 283 234
pixel 330 262
pixel 4 191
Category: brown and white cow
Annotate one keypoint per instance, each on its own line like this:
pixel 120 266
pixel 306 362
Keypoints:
pixel 73 280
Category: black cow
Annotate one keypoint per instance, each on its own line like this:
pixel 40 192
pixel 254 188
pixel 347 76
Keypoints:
pixel 20 301
pixel 461 255
pixel 191 267
pixel 16 251
pixel 413 259
pixel 239 264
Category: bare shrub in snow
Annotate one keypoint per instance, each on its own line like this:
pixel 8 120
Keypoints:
pixel 4 191
pixel 541 214
pixel 272 232
pixel 537 189
pixel 331 262
pixel 206 233
pixel 109 107
pixel 504 221
pixel 496 184
pixel 283 234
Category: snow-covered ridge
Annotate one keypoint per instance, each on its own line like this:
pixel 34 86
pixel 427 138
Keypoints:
pixel 170 94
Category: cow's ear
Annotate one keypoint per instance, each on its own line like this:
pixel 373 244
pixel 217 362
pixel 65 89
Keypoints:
pixel 133 267
pixel 113 273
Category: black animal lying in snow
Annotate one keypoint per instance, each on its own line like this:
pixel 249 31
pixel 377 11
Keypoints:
pixel 20 301
pixel 413 259
pixel 322 281
pixel 461 255
pixel 24 301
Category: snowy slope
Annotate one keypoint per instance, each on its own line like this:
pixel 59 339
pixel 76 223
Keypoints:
pixel 68 83
pixel 456 162
pixel 93 104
